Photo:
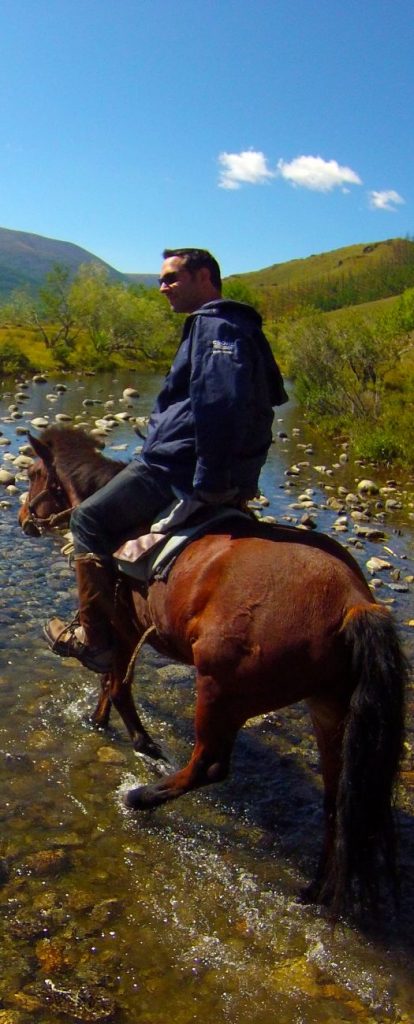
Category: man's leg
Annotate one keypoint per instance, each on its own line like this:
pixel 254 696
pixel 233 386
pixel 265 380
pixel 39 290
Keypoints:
pixel 131 500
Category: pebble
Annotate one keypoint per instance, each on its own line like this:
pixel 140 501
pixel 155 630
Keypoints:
pixel 369 532
pixel 376 564
pixel 6 477
pixel 367 487
pixel 39 422
pixel 130 393
pixel 63 417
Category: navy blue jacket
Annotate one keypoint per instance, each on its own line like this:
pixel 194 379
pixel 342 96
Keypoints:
pixel 211 425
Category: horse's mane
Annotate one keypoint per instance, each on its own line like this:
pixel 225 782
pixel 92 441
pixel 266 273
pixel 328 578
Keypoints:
pixel 77 459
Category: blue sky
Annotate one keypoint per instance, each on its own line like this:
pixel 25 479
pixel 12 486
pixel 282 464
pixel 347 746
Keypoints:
pixel 264 130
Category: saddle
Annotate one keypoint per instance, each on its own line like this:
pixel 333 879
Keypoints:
pixel 152 555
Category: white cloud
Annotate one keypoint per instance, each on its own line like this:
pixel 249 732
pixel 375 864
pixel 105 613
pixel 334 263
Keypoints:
pixel 246 168
pixel 387 200
pixel 317 174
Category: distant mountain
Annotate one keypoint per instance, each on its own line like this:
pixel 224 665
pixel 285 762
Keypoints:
pixel 25 259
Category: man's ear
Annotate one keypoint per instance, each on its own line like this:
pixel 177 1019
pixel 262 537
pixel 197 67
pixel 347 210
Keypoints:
pixel 204 276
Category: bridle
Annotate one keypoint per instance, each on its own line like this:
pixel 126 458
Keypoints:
pixel 55 491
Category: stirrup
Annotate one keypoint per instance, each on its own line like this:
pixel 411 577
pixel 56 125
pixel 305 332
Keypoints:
pixel 62 640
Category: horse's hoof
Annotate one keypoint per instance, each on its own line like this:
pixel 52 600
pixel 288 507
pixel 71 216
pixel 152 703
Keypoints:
pixel 144 745
pixel 143 798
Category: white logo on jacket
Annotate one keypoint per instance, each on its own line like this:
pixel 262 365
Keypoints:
pixel 226 347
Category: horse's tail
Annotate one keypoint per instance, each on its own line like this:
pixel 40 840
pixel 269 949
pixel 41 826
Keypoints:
pixel 371 756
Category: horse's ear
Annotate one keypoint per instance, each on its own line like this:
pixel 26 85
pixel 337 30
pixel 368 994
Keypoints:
pixel 41 449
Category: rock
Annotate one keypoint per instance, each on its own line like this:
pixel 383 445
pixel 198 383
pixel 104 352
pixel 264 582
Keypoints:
pixel 369 532
pixel 47 862
pixel 376 564
pixel 367 487
pixel 23 461
pixel 39 422
pixel 130 393
pixel 86 1003
pixel 51 955
pixel 11 1017
pixel 335 504
pixel 39 378
pixel 6 477
pixel 308 522
pixel 108 755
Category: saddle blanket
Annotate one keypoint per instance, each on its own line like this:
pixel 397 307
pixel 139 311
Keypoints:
pixel 146 558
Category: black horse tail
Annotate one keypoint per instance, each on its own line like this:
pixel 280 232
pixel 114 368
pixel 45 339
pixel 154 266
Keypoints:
pixel 365 849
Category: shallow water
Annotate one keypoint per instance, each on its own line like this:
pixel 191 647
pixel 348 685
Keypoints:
pixel 190 912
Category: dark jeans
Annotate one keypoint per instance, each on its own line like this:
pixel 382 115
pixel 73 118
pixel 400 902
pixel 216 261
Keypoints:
pixel 127 504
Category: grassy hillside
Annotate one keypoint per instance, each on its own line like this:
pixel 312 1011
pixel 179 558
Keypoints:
pixel 345 277
pixel 25 259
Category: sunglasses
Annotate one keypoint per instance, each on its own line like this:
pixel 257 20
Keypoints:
pixel 168 279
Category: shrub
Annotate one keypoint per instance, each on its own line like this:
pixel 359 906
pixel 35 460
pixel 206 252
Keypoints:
pixel 13 361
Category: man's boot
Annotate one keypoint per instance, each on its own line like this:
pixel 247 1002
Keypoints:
pixel 89 637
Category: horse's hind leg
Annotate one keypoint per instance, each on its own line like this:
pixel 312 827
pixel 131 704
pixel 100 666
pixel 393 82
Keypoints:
pixel 216 726
pixel 328 719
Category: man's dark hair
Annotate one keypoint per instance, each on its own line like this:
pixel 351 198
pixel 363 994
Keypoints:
pixel 194 259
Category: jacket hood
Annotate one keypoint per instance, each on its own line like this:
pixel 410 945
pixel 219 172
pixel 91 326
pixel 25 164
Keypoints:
pixel 229 309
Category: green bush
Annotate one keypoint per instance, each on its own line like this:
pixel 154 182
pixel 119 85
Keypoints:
pixel 13 361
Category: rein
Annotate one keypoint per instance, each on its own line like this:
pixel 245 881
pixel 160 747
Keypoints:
pixel 55 490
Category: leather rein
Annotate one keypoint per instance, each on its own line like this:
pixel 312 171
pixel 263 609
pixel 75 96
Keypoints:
pixel 55 490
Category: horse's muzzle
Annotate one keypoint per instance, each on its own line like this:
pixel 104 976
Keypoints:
pixel 28 524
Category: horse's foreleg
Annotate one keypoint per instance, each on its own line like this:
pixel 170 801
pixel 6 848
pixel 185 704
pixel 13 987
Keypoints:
pixel 328 719
pixel 120 692
pixel 101 715
pixel 216 727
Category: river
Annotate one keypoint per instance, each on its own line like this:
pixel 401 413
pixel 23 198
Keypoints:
pixel 190 912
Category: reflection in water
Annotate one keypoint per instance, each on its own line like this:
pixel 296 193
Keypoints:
pixel 188 912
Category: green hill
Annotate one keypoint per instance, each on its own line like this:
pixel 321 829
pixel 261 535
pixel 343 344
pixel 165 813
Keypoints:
pixel 351 276
pixel 25 259
pixel 345 277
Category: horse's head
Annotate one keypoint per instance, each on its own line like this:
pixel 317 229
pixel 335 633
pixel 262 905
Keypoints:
pixel 46 499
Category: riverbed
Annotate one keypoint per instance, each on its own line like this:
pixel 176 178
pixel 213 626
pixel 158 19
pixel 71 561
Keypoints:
pixel 190 912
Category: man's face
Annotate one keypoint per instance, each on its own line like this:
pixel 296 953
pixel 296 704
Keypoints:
pixel 185 292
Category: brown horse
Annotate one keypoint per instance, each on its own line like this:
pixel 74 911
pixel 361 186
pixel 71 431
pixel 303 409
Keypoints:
pixel 268 616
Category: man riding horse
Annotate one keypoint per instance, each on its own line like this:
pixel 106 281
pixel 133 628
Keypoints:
pixel 208 438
